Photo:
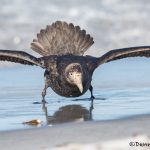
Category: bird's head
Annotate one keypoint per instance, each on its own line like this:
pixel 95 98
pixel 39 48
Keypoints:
pixel 74 75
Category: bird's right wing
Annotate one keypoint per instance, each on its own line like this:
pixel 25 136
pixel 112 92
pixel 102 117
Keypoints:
pixel 19 57
pixel 143 51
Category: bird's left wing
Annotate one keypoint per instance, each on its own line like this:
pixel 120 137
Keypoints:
pixel 19 57
pixel 143 51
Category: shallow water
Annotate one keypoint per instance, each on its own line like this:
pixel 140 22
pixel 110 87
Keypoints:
pixel 121 88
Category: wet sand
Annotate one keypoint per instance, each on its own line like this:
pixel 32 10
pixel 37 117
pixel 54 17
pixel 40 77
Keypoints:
pixel 80 132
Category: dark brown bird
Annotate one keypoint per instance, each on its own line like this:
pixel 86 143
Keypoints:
pixel 67 71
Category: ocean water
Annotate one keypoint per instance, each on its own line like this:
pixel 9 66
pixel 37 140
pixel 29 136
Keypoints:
pixel 121 88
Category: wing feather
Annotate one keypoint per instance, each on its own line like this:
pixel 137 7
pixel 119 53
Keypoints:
pixel 143 51
pixel 19 57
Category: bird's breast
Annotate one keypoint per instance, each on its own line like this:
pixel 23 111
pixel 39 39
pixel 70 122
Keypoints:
pixel 62 88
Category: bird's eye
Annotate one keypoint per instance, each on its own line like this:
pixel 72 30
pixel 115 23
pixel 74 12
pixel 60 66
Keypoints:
pixel 71 73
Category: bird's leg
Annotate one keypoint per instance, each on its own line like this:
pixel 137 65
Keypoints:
pixel 44 108
pixel 91 90
pixel 44 91
pixel 91 109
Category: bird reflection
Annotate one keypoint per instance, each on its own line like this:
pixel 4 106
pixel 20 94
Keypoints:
pixel 69 113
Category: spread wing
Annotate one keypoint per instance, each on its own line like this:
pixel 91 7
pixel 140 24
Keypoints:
pixel 62 38
pixel 19 57
pixel 143 51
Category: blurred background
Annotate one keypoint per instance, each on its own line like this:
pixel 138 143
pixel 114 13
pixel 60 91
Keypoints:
pixel 112 23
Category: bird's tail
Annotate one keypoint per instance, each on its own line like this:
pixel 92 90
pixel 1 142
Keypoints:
pixel 62 38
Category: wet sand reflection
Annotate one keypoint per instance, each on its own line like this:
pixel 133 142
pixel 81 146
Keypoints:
pixel 69 113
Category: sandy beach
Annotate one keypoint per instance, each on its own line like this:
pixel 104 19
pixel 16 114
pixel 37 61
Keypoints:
pixel 82 133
